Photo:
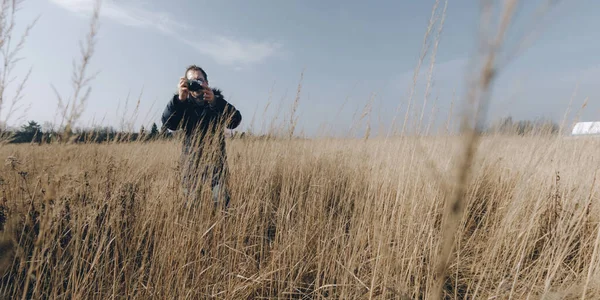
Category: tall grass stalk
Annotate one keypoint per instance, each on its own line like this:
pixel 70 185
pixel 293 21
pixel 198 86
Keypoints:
pixel 322 218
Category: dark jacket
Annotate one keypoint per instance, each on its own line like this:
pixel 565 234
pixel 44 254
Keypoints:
pixel 203 124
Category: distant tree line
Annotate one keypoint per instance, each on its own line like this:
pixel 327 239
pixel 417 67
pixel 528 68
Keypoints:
pixel 508 126
pixel 32 133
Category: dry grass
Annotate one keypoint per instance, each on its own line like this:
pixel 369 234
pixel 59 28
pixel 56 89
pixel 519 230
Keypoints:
pixel 324 218
pixel 404 218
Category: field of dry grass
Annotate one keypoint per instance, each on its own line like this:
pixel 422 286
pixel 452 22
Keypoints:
pixel 470 217
pixel 342 219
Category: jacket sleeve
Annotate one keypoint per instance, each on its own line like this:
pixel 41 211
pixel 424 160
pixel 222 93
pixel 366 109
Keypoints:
pixel 173 113
pixel 229 114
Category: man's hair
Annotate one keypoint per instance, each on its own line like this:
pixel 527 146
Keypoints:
pixel 195 68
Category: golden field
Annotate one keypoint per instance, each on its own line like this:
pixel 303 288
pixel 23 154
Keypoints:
pixel 322 218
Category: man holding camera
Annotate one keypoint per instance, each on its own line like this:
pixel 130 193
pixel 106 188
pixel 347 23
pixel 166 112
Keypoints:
pixel 203 114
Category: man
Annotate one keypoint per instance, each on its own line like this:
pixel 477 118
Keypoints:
pixel 203 114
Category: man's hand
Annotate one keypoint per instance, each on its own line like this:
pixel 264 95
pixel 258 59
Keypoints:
pixel 209 96
pixel 183 90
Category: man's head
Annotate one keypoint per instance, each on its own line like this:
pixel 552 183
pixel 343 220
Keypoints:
pixel 194 72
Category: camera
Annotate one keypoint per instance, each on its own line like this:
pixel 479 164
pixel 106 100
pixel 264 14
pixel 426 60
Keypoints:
pixel 194 85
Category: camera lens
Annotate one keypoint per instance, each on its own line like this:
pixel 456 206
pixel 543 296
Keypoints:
pixel 194 85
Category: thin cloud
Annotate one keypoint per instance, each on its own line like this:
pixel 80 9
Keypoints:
pixel 229 51
pixel 223 49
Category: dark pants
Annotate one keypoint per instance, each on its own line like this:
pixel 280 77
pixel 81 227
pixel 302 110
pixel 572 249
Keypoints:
pixel 196 176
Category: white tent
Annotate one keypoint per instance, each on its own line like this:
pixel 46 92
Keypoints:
pixel 586 128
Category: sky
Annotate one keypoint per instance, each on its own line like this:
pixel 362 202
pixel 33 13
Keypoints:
pixel 350 57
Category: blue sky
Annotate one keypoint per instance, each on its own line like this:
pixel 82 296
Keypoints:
pixel 255 51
